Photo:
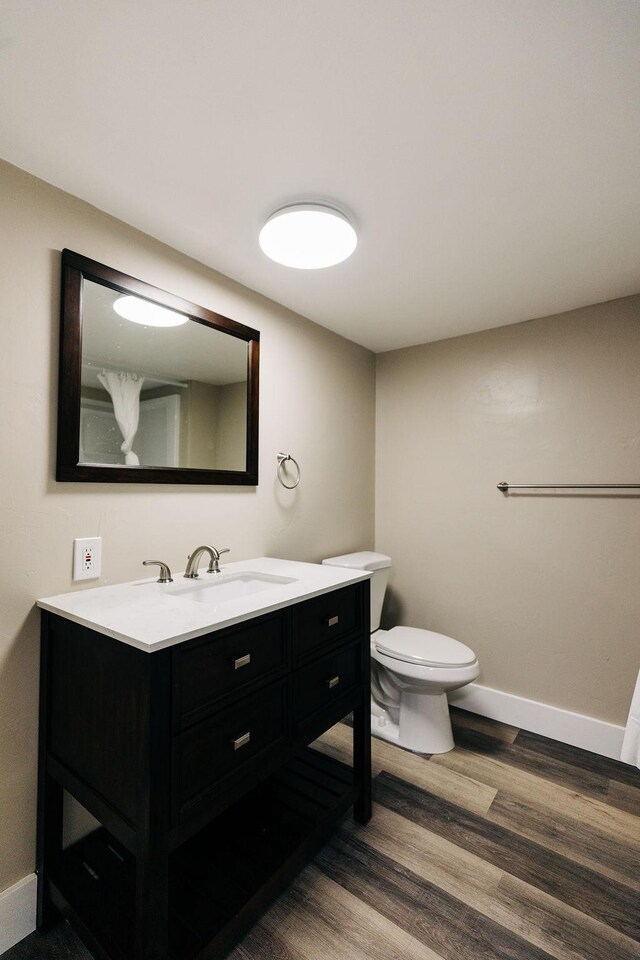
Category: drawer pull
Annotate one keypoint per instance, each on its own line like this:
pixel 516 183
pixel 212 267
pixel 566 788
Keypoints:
pixel 242 741
pixel 332 621
pixel 333 682
pixel 242 661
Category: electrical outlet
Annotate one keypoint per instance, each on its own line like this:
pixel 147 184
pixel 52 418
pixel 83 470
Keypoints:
pixel 87 555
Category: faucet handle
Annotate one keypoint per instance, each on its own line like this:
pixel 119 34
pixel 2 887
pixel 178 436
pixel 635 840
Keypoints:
pixel 165 573
pixel 214 565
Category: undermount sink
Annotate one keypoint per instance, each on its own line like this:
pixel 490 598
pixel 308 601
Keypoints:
pixel 219 587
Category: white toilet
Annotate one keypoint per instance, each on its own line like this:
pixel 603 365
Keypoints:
pixel 411 671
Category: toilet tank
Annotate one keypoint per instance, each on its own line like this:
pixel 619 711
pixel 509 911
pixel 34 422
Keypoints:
pixel 380 565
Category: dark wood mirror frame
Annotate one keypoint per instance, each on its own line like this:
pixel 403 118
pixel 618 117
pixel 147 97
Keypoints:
pixel 75 269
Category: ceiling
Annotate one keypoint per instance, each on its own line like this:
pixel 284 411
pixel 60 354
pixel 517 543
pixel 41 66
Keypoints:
pixel 488 151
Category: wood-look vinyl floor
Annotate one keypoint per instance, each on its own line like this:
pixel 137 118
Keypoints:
pixel 510 846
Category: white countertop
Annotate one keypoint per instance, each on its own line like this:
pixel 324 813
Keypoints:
pixel 148 615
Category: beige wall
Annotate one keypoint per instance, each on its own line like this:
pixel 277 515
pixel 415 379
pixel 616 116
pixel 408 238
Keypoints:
pixel 213 425
pixel 543 588
pixel 231 431
pixel 309 378
pixel 199 409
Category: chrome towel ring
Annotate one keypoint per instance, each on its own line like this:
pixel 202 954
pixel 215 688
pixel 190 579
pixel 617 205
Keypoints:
pixel 282 459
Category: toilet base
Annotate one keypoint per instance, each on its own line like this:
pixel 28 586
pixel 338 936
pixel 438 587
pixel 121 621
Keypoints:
pixel 424 727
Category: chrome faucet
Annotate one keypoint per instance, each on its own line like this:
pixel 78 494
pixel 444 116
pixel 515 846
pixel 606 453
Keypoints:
pixel 191 573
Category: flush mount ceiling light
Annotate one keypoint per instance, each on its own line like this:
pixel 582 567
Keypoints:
pixel 147 313
pixel 308 236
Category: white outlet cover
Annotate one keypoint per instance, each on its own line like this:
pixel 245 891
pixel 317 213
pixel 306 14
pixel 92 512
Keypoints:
pixel 87 558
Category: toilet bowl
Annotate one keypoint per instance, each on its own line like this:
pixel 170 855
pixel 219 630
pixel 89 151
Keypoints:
pixel 411 671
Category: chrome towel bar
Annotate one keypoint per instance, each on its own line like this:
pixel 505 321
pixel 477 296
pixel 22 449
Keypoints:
pixel 505 487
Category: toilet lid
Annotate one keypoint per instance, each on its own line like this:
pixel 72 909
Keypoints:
pixel 425 647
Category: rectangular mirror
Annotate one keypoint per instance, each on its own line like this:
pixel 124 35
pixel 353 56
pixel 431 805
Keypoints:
pixel 153 389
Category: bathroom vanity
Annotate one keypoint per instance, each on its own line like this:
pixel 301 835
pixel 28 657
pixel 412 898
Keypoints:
pixel 182 722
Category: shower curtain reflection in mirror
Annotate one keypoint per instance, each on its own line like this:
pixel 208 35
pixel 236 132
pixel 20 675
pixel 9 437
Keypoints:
pixel 124 389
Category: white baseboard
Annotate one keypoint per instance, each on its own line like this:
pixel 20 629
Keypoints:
pixel 17 912
pixel 598 736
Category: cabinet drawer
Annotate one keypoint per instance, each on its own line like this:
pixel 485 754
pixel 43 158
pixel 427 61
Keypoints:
pixel 224 663
pixel 326 618
pixel 325 681
pixel 232 740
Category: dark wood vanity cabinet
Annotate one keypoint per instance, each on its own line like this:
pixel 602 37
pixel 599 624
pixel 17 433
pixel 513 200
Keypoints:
pixel 195 759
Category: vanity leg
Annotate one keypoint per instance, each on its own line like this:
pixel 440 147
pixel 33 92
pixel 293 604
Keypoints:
pixel 152 902
pixel 362 721
pixel 50 796
pixel 362 761
pixel 152 855
pixel 49 845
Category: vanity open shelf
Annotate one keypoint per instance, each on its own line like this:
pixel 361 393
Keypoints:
pixel 220 880
pixel 195 758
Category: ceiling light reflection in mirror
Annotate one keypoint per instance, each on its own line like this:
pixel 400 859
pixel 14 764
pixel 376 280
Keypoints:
pixel 147 313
